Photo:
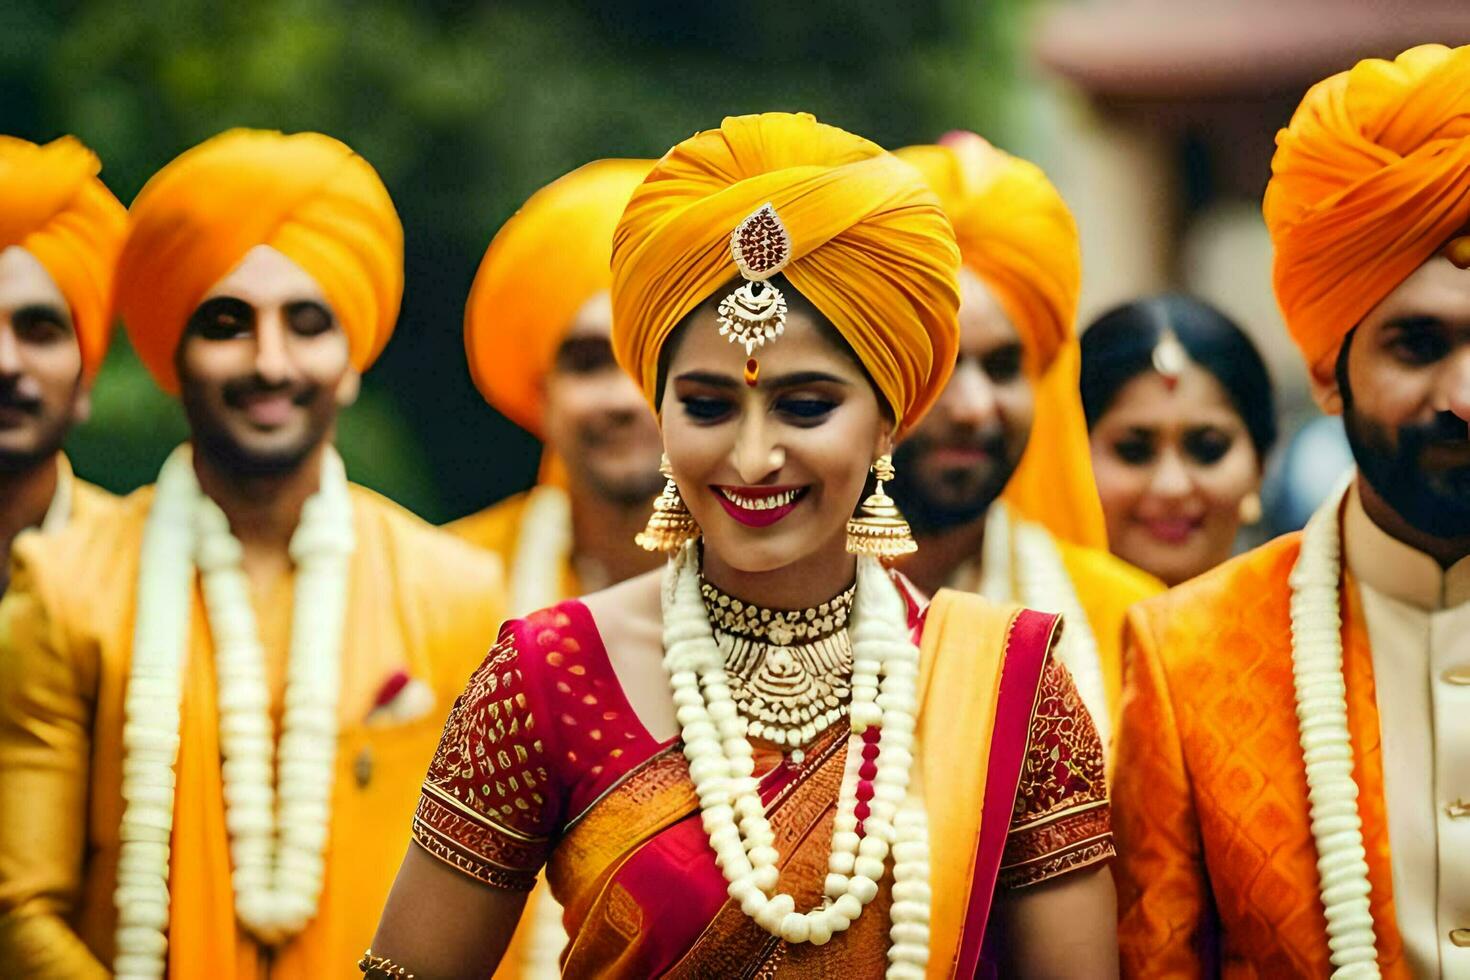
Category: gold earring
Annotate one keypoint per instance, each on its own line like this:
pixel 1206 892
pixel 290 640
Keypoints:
pixel 671 526
pixel 1250 508
pixel 879 530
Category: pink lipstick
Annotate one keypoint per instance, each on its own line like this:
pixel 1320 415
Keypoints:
pixel 759 506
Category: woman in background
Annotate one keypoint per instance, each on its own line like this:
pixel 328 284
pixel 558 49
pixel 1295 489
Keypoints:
pixel 1181 418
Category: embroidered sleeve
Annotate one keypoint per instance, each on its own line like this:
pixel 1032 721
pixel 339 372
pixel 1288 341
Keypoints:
pixel 487 807
pixel 1061 820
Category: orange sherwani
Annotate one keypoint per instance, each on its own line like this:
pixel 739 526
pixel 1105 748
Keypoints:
pixel 420 603
pixel 1217 864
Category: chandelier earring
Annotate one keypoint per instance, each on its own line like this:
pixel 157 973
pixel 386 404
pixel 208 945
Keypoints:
pixel 879 529
pixel 671 526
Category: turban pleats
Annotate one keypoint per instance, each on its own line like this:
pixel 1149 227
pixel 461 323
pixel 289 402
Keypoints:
pixel 1019 237
pixel 543 266
pixel 1370 178
pixel 871 249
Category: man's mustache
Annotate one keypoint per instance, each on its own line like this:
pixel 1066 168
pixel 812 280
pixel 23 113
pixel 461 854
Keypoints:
pixel 990 442
pixel 236 393
pixel 12 397
pixel 607 427
pixel 1445 429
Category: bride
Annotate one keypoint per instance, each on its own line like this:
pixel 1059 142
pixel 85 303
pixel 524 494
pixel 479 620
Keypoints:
pixel 774 758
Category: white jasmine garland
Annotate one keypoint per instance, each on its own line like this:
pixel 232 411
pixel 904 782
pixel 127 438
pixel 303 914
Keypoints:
pixel 59 511
pixel 722 765
pixel 1043 583
pixel 277 828
pixel 543 548
pixel 1327 748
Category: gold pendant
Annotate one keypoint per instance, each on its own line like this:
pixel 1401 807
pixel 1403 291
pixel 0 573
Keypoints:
pixel 788 671
pixel 755 311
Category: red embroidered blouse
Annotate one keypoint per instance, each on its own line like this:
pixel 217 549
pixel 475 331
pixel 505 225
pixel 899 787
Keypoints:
pixel 543 730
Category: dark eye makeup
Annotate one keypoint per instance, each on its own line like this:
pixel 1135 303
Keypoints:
pixel 805 409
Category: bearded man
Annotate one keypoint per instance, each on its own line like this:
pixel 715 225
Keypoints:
pixel 997 480
pixel 1292 790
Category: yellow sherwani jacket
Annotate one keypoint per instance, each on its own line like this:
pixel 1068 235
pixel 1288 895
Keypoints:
pixel 497 528
pixel 1107 587
pixel 1217 867
pixel 420 602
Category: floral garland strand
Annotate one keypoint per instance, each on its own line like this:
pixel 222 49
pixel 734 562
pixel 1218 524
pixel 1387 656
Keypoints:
pixel 151 727
pixel 58 513
pixel 276 846
pixel 1041 578
pixel 1045 585
pixel 1321 700
pixel 543 548
pixel 874 814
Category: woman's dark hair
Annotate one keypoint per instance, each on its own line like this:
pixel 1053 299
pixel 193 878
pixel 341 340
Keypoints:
pixel 795 301
pixel 1119 346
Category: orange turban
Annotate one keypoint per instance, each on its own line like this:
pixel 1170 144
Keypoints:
pixel 1370 178
pixel 307 195
pixel 1017 234
pixel 53 206
pixel 547 261
pixel 871 248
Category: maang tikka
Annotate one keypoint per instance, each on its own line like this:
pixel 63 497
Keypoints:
pixel 755 311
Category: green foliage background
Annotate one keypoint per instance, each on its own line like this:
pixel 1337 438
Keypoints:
pixel 465 109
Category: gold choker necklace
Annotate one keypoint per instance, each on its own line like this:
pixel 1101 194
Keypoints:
pixel 789 670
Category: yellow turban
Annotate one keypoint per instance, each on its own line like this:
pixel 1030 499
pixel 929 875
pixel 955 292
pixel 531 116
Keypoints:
pixel 1370 178
pixel 547 261
pixel 53 206
pixel 307 195
pixel 1017 234
pixel 871 248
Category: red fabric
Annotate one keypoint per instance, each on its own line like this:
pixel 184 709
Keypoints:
pixel 1026 654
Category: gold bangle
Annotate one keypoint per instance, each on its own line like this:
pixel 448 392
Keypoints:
pixel 381 968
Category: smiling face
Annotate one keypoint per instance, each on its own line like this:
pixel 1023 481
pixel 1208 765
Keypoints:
pixel 1172 467
pixel 264 367
pixel 1404 392
pixel 956 462
pixel 41 390
pixel 596 419
pixel 771 473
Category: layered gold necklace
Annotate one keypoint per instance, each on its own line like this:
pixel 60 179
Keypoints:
pixel 789 670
